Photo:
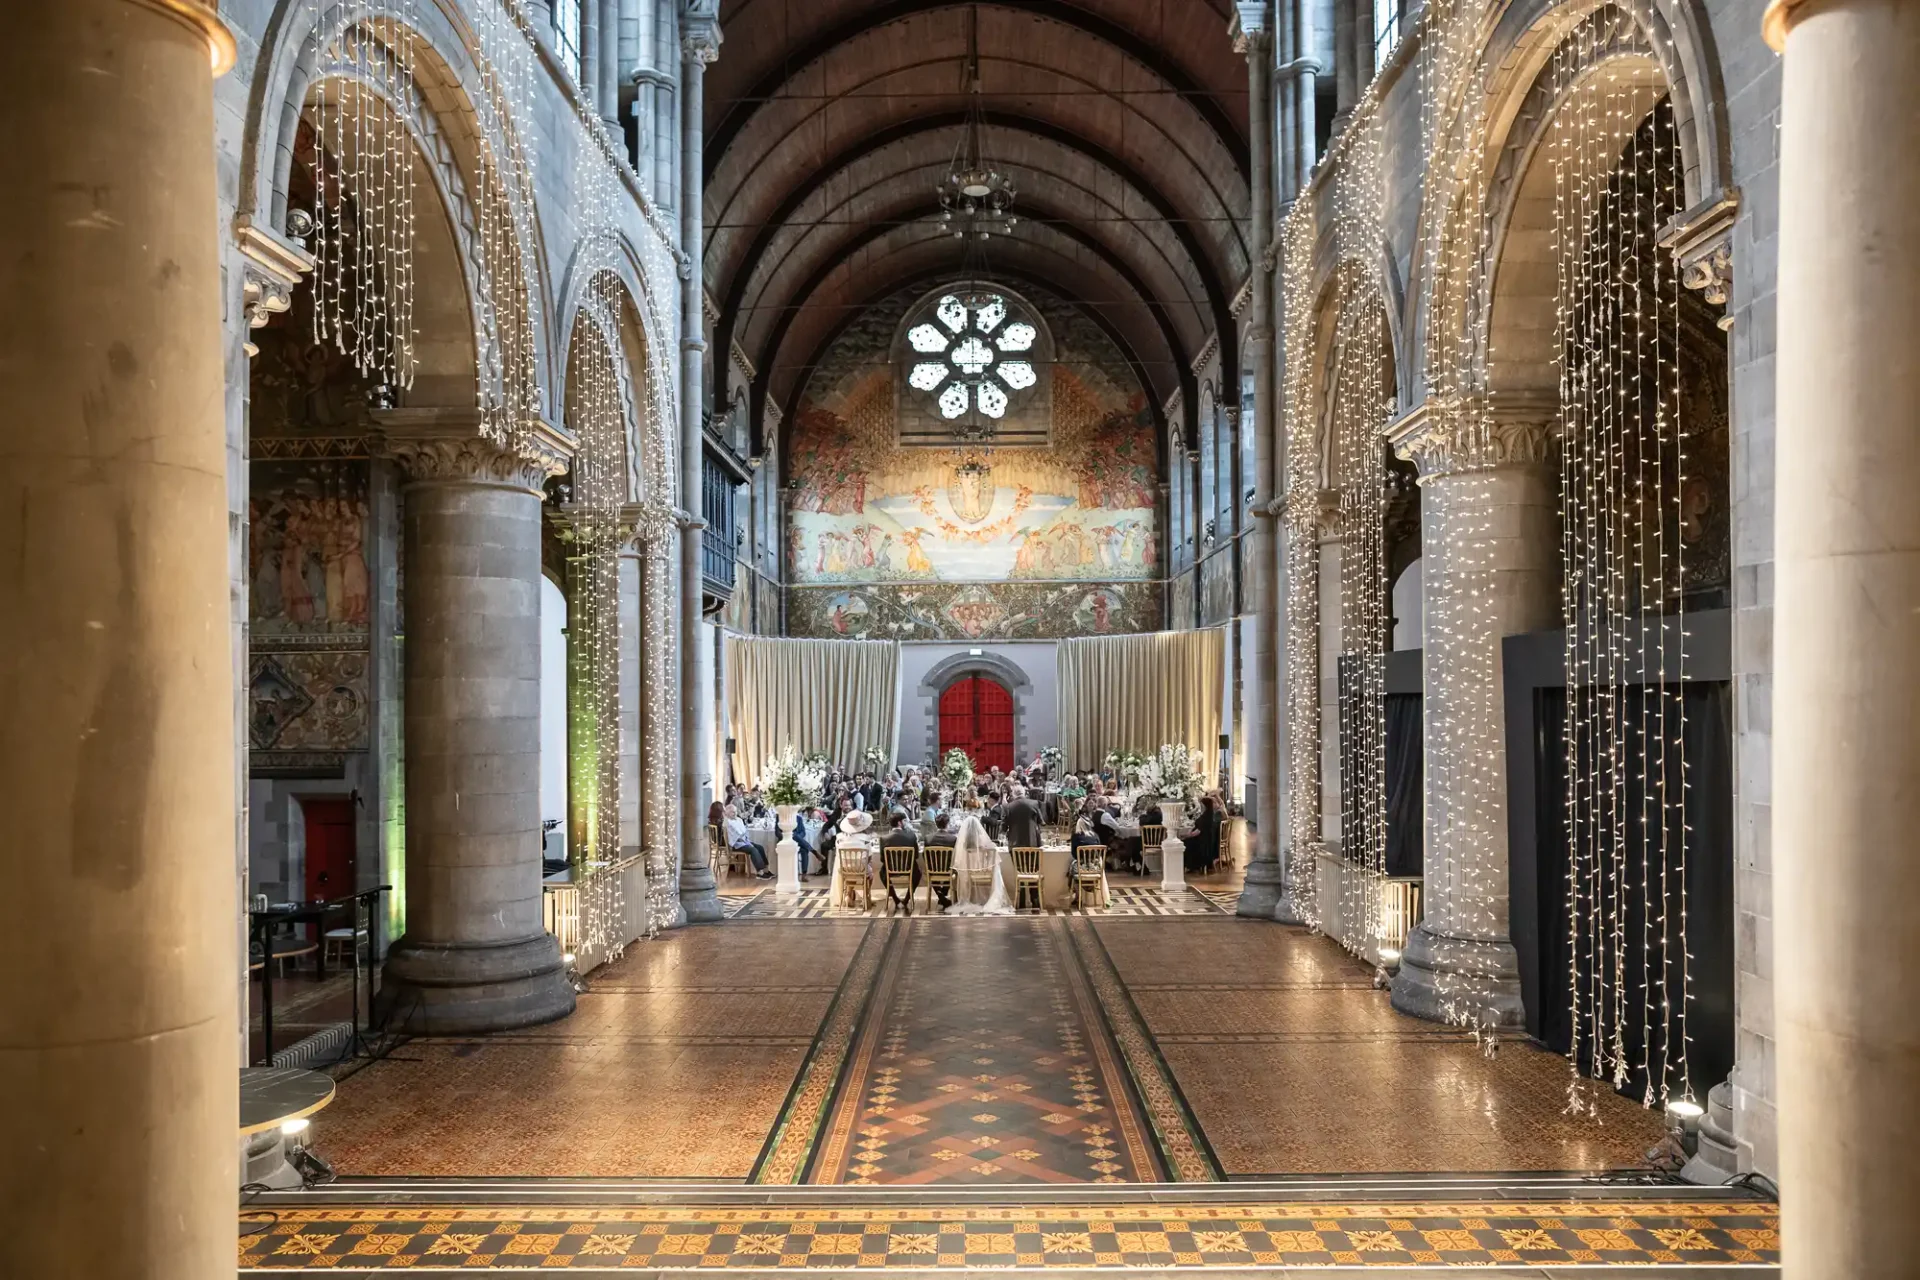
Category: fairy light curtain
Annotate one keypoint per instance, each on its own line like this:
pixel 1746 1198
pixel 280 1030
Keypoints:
pixel 364 198
pixel 1137 693
pixel 1357 475
pixel 1623 471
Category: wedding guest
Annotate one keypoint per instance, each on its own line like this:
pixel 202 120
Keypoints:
pixel 1020 818
pixel 738 839
pixel 1203 841
pixel 901 836
pixel 854 845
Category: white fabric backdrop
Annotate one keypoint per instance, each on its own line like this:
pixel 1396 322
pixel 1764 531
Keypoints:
pixel 1137 693
pixel 836 696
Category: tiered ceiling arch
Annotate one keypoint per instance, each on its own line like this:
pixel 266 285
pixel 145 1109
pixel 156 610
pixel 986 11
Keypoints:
pixel 830 122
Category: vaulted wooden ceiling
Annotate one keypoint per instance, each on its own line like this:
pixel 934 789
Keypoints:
pixel 829 124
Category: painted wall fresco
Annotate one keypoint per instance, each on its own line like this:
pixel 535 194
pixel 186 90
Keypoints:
pixel 311 607
pixel 975 610
pixel 1031 542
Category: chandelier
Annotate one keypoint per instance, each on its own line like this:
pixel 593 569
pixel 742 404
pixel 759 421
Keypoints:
pixel 975 197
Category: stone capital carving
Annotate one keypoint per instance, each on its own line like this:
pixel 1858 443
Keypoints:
pixel 270 266
pixel 434 445
pixel 1251 27
pixel 1442 439
pixel 646 527
pixel 1701 241
pixel 700 31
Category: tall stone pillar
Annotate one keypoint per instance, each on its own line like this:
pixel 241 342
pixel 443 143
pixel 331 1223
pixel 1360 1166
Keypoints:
pixel 608 72
pixel 118 1027
pixel 1847 633
pixel 1490 561
pixel 633 645
pixel 658 543
pixel 699 45
pixel 1264 892
pixel 476 955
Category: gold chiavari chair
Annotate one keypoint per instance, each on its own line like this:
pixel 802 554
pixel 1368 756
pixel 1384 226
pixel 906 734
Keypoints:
pixel 855 876
pixel 896 862
pixel 716 848
pixel 1027 875
pixel 939 864
pixel 1089 872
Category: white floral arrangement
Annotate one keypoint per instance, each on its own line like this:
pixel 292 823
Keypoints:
pixel 876 758
pixel 1173 774
pixel 957 769
pixel 788 779
pixel 1126 765
pixel 1053 758
pixel 819 760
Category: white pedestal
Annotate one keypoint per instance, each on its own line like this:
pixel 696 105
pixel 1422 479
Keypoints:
pixel 786 853
pixel 1173 851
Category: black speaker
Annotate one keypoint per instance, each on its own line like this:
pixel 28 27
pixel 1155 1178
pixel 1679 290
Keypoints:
pixel 729 746
pixel 1226 742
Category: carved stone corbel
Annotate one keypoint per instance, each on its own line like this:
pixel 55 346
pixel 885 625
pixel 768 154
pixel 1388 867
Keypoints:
pixel 446 445
pixel 270 267
pixel 1701 240
pixel 1448 438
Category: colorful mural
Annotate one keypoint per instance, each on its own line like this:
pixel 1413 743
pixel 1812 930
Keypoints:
pixel 306 559
pixel 311 609
pixel 965 542
pixel 975 610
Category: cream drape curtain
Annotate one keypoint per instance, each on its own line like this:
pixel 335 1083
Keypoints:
pixel 836 696
pixel 1138 693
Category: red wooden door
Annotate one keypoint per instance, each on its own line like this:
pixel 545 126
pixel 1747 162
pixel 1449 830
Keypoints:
pixel 976 715
pixel 330 846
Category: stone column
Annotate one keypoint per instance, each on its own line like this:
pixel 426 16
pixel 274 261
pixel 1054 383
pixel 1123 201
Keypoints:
pixel 1847 633
pixel 608 72
pixel 1264 893
pixel 1490 558
pixel 659 545
pixel 633 644
pixel 476 955
pixel 587 73
pixel 118 1026
pixel 699 45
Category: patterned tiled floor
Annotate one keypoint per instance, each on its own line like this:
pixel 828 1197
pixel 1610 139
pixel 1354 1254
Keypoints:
pixel 1127 900
pixel 762 1049
pixel 1292 1063
pixel 986 1062
pixel 1577 1233
pixel 675 1064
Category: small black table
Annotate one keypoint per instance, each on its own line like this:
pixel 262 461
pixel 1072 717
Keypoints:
pixel 261 930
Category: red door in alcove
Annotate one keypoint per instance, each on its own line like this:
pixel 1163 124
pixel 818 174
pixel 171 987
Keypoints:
pixel 330 846
pixel 976 715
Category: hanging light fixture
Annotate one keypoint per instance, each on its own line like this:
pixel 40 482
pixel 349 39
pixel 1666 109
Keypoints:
pixel 975 198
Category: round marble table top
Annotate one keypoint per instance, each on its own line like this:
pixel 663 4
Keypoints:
pixel 271 1096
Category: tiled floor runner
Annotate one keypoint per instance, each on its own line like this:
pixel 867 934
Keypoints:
pixel 1577 1233
pixel 1127 900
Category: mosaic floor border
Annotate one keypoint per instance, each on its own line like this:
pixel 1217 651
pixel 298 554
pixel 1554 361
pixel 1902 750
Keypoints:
pixel 1127 900
pixel 1438 1234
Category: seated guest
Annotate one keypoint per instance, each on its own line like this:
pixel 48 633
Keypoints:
pixel 943 837
pixel 737 838
pixel 1083 834
pixel 717 817
pixel 1203 842
pixel 902 836
pixel 801 836
pixel 855 845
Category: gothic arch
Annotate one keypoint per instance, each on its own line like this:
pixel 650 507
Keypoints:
pixel 951 670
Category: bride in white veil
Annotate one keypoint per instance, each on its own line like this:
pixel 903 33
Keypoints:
pixel 974 849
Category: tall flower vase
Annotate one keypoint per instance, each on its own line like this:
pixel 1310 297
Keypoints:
pixel 1173 851
pixel 787 852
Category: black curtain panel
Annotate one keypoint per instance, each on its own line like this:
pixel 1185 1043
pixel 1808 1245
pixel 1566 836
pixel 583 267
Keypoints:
pixel 1405 809
pixel 1624 849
